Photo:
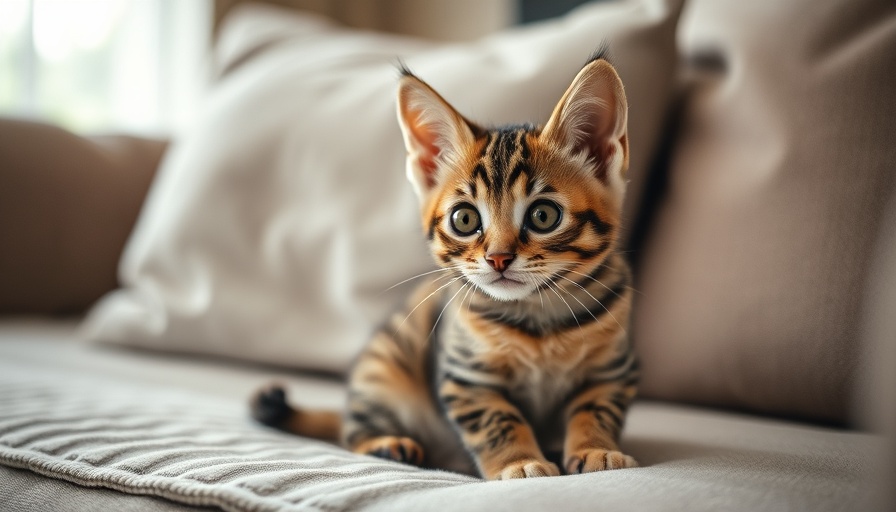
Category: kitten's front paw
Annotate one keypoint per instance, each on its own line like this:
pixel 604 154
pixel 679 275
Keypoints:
pixel 527 468
pixel 399 449
pixel 596 459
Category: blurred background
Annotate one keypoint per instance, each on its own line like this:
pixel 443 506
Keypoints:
pixel 96 65
pixel 141 66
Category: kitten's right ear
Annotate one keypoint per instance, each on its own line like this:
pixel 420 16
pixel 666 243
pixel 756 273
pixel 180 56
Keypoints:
pixel 592 119
pixel 433 132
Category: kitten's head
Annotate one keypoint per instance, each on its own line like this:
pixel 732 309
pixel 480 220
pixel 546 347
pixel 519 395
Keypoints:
pixel 511 207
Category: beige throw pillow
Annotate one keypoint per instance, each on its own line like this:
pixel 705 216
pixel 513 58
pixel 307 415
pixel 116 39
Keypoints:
pixel 67 205
pixel 752 280
pixel 277 226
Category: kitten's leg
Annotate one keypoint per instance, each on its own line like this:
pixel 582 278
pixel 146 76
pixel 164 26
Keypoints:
pixel 399 449
pixel 594 419
pixel 501 442
pixel 387 395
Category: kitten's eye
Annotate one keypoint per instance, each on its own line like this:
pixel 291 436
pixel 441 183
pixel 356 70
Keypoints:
pixel 465 219
pixel 543 216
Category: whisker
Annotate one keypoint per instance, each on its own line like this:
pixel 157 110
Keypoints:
pixel 580 302
pixel 602 284
pixel 552 286
pixel 462 299
pixel 534 281
pixel 434 325
pixel 456 267
pixel 542 283
pixel 436 280
pixel 568 265
pixel 599 265
pixel 449 283
pixel 595 300
pixel 540 296
pixel 473 288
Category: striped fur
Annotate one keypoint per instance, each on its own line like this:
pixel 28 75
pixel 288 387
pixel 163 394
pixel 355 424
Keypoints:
pixel 514 357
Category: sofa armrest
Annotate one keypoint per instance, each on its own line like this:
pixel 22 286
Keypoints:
pixel 67 205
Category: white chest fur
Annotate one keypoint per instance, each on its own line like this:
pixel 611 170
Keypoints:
pixel 543 382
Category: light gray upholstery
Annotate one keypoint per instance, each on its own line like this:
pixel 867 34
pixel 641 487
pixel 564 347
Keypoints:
pixel 23 490
pixel 171 427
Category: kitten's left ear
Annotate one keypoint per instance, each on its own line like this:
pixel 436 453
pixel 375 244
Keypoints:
pixel 434 133
pixel 592 117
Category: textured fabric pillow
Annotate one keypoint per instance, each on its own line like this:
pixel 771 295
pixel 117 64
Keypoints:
pixel 753 275
pixel 275 227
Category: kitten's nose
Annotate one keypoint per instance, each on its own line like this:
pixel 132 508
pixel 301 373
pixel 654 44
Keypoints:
pixel 500 261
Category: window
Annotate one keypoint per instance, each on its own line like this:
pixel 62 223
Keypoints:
pixel 104 65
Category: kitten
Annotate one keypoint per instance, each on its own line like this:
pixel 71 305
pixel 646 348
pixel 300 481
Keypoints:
pixel 517 353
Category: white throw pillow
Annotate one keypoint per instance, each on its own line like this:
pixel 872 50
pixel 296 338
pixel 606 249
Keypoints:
pixel 275 227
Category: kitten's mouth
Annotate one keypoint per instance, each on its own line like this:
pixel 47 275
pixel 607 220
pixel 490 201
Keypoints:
pixel 502 287
pixel 507 288
pixel 507 283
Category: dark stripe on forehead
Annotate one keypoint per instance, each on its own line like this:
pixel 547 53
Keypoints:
pixel 487 146
pixel 503 160
pixel 479 173
pixel 530 184
pixel 509 145
pixel 524 146
pixel 499 157
pixel 521 167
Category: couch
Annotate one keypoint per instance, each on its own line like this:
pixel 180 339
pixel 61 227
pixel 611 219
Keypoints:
pixel 761 221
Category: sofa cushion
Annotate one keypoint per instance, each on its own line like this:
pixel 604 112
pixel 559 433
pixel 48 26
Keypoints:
pixel 754 272
pixel 26 491
pixel 170 427
pixel 278 225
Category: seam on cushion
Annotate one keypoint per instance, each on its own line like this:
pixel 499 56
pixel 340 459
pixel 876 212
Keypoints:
pixel 129 483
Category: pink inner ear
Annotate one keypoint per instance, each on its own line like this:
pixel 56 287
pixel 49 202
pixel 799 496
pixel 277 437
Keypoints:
pixel 429 150
pixel 591 118
pixel 602 154
pixel 597 143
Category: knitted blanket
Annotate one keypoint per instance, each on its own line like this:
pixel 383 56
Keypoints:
pixel 189 449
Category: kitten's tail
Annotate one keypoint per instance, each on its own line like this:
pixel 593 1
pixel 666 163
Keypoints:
pixel 269 406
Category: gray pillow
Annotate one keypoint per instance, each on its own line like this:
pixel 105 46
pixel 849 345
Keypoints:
pixel 753 273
